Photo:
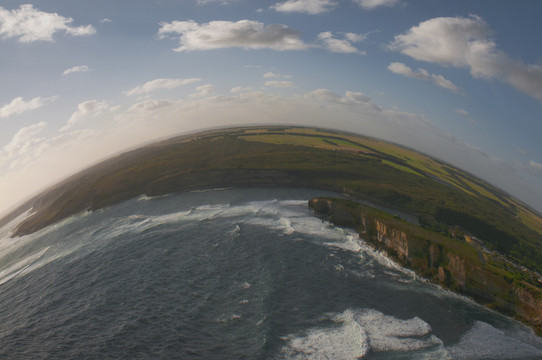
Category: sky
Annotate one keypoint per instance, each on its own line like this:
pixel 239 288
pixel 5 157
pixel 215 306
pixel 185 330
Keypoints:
pixel 84 80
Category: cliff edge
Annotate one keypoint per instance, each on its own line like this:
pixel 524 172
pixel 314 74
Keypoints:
pixel 458 262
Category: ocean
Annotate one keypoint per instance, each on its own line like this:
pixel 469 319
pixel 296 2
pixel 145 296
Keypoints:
pixel 229 274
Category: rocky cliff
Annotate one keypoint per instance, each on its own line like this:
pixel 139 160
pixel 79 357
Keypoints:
pixel 452 262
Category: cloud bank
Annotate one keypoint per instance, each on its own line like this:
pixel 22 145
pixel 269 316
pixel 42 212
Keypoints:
pixel 466 43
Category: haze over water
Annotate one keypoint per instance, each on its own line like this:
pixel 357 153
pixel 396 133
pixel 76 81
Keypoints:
pixel 229 274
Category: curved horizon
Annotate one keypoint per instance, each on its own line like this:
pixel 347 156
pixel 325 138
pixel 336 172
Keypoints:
pixel 454 81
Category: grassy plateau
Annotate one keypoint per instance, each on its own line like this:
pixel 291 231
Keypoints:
pixel 464 215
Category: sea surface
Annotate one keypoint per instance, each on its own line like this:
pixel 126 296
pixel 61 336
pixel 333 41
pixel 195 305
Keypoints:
pixel 229 274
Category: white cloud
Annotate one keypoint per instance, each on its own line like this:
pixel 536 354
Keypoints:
pixel 422 74
pixel 275 76
pixel 106 20
pixel 19 105
pixel 466 42
pixel 203 90
pixel 373 4
pixel 250 34
pixel 312 7
pixel 353 37
pixel 280 84
pixel 337 45
pixel 75 69
pixel 28 24
pixel 90 108
pixel 157 84
pixel 246 34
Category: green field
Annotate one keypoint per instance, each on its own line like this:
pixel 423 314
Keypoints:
pixel 443 197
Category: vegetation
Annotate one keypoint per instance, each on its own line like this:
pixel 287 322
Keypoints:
pixel 444 198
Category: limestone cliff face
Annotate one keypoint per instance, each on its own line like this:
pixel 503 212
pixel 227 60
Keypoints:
pixel 456 267
pixel 392 238
pixel 530 306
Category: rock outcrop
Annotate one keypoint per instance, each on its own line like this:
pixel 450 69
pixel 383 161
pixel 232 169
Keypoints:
pixel 451 262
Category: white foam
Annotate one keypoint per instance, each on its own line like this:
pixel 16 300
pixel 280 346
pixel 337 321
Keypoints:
pixel 347 341
pixel 7 229
pixel 235 232
pixel 227 318
pixel 208 190
pixel 145 197
pixel 293 203
pixel 286 224
pixel 387 333
pixel 350 243
pixel 483 341
pixel 358 332
pixel 19 268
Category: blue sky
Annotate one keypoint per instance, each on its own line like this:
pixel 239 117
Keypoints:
pixel 460 80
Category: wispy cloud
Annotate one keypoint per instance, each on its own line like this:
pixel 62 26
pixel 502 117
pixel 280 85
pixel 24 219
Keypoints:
pixel 90 108
pixel 203 90
pixel 245 34
pixel 465 43
pixel 28 24
pixel 422 74
pixel 19 105
pixel 76 69
pixel 373 4
pixel 157 84
pixel 312 7
pixel 240 89
pixel 535 167
pixel 462 112
pixel 205 2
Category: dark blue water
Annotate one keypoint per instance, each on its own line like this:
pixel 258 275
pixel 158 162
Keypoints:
pixel 229 274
